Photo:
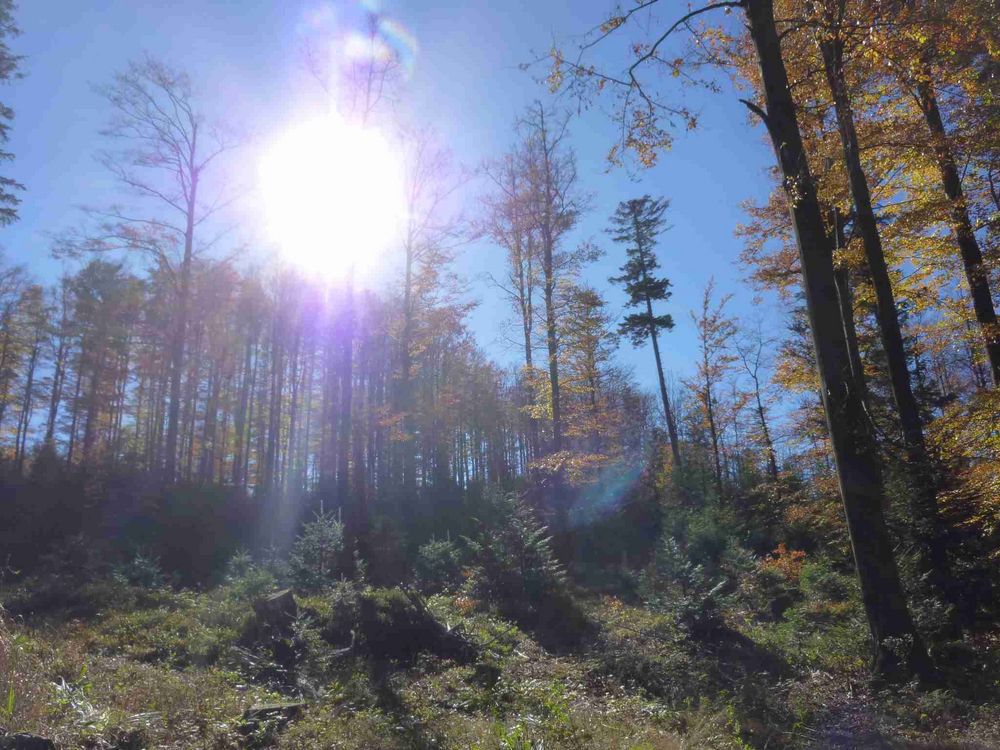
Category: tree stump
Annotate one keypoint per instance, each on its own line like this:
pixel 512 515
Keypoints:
pixel 276 611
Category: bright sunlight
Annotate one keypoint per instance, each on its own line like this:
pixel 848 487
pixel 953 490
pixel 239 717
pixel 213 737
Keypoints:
pixel 333 196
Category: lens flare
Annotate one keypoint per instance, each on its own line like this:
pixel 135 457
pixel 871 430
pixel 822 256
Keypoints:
pixel 354 32
pixel 333 196
pixel 401 41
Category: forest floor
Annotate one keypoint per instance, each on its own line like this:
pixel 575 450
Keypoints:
pixel 139 668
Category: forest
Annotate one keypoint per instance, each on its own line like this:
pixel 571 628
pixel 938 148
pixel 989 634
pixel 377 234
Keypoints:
pixel 283 493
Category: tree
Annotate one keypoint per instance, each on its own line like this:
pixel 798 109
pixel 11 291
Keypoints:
pixel 859 470
pixel 554 205
pixel 588 343
pixel 637 223
pixel 13 283
pixel 9 64
pixel 61 331
pixel 35 312
pixel 922 481
pixel 105 306
pixel 715 331
pixel 506 222
pixel 430 235
pixel 165 154
pixel 751 351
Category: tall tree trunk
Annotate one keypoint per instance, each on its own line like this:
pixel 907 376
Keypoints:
pixel 55 395
pixel 303 481
pixel 253 402
pixel 772 458
pixel 241 416
pixel 923 496
pixel 209 449
pixel 74 418
pixel 180 330
pixel 277 373
pixel 552 343
pixel 976 272
pixel 858 469
pixel 713 431
pixel 121 392
pixel 525 295
pixel 22 428
pixel 6 324
pixel 93 413
pixel 548 269
pixel 407 401
pixel 668 413
pixel 190 411
pixel 291 457
pixel 346 375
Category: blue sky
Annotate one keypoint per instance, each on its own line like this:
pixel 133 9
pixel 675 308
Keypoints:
pixel 246 59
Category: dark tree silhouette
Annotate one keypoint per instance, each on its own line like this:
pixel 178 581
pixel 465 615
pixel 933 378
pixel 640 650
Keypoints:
pixel 9 64
pixel 636 224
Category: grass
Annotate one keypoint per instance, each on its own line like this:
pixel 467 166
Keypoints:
pixel 169 671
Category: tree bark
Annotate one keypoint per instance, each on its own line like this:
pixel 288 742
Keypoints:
pixel 675 446
pixel 58 377
pixel 24 422
pixel 923 496
pixel 713 433
pixel 976 272
pixel 407 404
pixel 180 331
pixel 345 373
pixel 897 649
pixel 548 269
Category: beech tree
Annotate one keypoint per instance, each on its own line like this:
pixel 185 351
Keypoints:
pixel 554 204
pixel 430 235
pixel 831 39
pixel 859 470
pixel 715 331
pixel 506 221
pixel 751 348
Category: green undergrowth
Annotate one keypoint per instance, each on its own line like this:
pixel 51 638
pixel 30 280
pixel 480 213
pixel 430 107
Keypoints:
pixel 174 669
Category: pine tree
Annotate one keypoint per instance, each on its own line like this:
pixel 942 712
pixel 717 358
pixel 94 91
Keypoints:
pixel 636 224
pixel 9 63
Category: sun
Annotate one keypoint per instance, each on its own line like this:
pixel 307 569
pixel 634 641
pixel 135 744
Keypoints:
pixel 333 196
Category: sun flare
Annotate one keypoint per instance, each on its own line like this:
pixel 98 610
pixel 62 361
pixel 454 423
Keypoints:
pixel 333 196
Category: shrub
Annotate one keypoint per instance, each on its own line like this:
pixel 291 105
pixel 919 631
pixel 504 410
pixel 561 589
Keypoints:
pixel 819 580
pixel 439 566
pixel 341 620
pixel 707 539
pixel 514 570
pixel 670 567
pixel 314 556
pixel 75 558
pixel 247 579
pixel 675 584
pixel 788 563
pixel 142 570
